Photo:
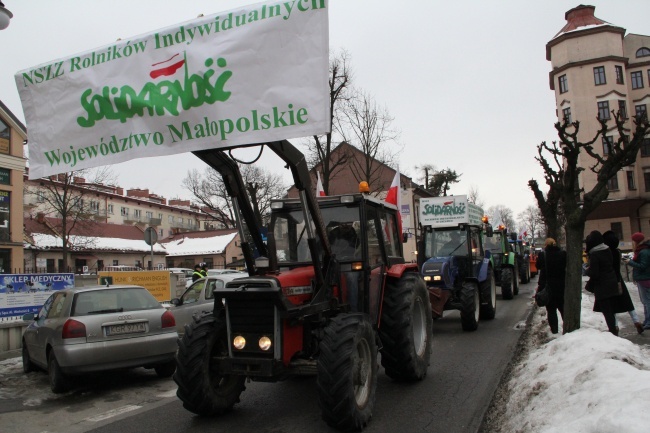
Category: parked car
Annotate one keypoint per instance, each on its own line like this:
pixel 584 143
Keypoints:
pixel 199 298
pixel 226 271
pixel 89 329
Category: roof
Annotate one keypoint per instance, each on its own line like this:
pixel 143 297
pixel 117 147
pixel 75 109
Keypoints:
pixel 44 234
pixel 205 245
pixel 581 18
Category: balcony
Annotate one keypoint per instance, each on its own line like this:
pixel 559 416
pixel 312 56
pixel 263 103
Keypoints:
pixel 155 222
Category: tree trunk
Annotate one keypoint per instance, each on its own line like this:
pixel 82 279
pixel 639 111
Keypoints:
pixel 573 279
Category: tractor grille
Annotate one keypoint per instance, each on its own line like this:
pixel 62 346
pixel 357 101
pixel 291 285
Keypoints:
pixel 497 259
pixel 252 320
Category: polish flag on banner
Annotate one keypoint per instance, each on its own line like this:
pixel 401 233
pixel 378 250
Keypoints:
pixel 394 197
pixel 320 192
pixel 167 67
pixel 523 235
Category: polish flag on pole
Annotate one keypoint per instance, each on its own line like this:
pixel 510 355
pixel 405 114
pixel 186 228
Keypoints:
pixel 394 197
pixel 320 192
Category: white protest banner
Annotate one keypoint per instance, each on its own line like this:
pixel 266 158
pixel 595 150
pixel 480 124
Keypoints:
pixel 251 75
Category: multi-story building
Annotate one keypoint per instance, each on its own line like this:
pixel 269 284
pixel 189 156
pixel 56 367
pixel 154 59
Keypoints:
pixel 110 204
pixel 597 69
pixel 12 168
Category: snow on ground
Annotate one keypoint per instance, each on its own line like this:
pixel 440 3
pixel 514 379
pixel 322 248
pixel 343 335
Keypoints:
pixel 587 381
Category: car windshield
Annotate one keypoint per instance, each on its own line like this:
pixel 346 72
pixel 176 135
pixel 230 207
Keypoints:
pixel 493 243
pixel 342 225
pixel 113 300
pixel 442 243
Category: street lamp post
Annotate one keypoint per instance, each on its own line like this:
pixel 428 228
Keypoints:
pixel 5 16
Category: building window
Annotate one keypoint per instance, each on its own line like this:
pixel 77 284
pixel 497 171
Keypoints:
pixel 124 211
pixel 612 184
pixel 631 185
pixel 137 213
pixel 160 216
pixel 149 215
pixel 116 262
pixel 619 75
pixel 599 75
pixel 637 79
pixel 40 196
pixel 603 110
pixel 617 228
pixel 640 111
pixel 5 137
pixel 566 115
pixel 608 144
pixel 170 218
pixel 622 108
pixel 564 85
pixel 94 206
pixel 161 233
pixel 109 208
pixel 643 52
pixel 645 147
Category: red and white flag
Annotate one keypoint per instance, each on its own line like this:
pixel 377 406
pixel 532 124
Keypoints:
pixel 167 67
pixel 320 192
pixel 395 197
pixel 523 235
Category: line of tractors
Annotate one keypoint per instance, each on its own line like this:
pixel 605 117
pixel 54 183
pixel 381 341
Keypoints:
pixel 329 294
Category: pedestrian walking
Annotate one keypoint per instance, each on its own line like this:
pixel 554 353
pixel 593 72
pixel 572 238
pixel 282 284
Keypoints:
pixel 622 303
pixel 552 270
pixel 640 264
pixel 602 278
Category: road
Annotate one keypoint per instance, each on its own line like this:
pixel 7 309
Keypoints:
pixel 465 370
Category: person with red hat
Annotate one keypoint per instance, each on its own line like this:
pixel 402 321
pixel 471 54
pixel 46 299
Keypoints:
pixel 640 264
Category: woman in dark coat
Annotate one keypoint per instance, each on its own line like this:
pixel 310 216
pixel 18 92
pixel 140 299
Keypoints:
pixel 602 278
pixel 552 270
pixel 622 303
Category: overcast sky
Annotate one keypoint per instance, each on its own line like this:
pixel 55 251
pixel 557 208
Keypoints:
pixel 466 82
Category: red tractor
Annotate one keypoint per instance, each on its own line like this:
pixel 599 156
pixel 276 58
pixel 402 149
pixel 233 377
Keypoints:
pixel 327 292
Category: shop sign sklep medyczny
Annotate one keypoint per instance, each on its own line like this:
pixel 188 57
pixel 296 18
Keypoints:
pixel 251 75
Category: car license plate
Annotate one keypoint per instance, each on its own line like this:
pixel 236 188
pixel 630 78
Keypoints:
pixel 126 328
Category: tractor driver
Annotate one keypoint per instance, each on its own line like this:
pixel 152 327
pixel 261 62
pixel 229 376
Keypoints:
pixel 452 245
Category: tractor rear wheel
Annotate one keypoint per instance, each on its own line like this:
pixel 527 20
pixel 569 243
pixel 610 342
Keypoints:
pixel 347 372
pixel 201 387
pixel 469 300
pixel 488 296
pixel 405 329
pixel 506 283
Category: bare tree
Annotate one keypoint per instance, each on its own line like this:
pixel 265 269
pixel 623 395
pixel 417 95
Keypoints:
pixel 208 189
pixel 368 127
pixel 67 198
pixel 530 220
pixel 575 202
pixel 320 147
pixel 473 196
pixel 425 177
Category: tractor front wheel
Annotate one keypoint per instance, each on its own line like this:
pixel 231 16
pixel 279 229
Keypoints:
pixel 405 330
pixel 488 296
pixel 469 300
pixel 507 283
pixel 202 388
pixel 347 372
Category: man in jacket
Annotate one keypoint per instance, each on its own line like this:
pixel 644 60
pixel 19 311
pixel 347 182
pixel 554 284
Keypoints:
pixel 641 272
pixel 552 269
pixel 602 278
pixel 197 273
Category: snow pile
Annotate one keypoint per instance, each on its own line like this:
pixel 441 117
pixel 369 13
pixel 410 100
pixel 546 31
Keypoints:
pixel 587 381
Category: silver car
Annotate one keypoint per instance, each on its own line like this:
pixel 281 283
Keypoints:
pixel 199 298
pixel 89 329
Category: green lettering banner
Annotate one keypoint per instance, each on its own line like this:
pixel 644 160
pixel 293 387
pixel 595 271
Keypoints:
pixel 251 75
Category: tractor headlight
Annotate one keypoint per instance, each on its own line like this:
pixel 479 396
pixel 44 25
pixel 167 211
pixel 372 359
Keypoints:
pixel 427 278
pixel 265 343
pixel 239 342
